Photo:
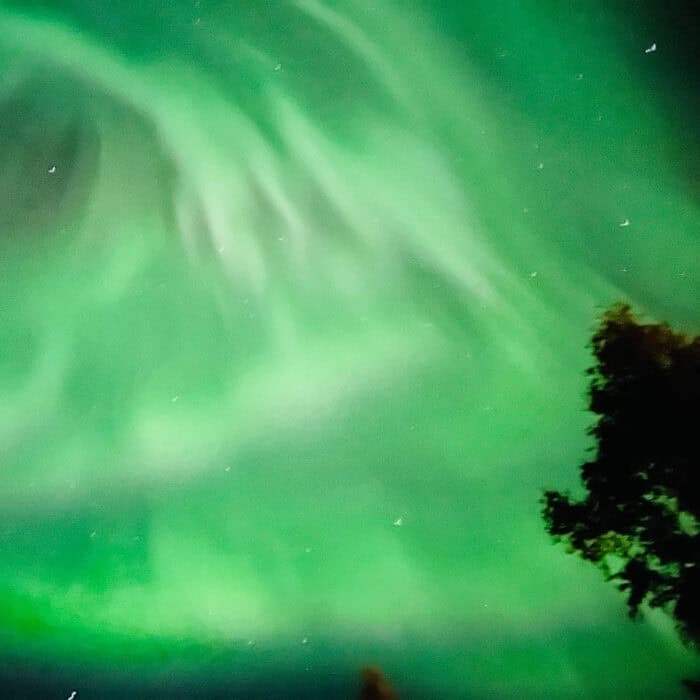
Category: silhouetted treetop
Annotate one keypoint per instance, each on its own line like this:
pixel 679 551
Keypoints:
pixel 639 521
pixel 375 686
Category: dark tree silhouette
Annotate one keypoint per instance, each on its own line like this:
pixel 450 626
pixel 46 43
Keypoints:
pixel 375 686
pixel 640 518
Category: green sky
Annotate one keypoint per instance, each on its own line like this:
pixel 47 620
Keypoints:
pixel 294 304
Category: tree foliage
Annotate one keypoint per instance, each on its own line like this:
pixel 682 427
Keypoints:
pixel 375 686
pixel 639 521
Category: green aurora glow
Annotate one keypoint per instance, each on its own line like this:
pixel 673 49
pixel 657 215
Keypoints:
pixel 294 334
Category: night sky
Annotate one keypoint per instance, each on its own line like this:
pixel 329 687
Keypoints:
pixel 295 298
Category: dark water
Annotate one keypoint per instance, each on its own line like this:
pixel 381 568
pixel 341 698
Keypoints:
pixel 294 304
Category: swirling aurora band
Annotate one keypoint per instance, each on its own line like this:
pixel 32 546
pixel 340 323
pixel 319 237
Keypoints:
pixel 294 300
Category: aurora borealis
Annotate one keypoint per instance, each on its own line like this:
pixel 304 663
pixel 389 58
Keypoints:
pixel 294 304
